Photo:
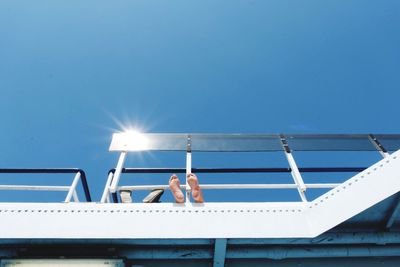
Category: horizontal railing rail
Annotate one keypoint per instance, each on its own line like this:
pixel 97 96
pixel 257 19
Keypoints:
pixel 239 170
pixel 233 170
pixel 230 186
pixel 71 189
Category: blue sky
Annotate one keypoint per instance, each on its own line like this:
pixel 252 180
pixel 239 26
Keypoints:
pixel 74 72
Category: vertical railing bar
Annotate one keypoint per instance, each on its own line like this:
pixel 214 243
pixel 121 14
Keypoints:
pixel 301 187
pixel 72 188
pixel 118 171
pixel 378 146
pixel 75 196
pixel 188 166
pixel 106 193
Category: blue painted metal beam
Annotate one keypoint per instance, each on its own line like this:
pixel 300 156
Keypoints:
pixel 264 252
pixel 324 239
pixel 290 252
pixel 219 252
pixel 394 211
pixel 158 253
pixel 276 252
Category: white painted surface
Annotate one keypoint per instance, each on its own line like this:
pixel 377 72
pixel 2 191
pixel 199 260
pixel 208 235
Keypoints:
pixel 158 220
pixel 209 220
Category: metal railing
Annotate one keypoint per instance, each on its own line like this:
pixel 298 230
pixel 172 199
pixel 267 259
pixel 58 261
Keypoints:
pixel 128 142
pixel 232 170
pixel 70 189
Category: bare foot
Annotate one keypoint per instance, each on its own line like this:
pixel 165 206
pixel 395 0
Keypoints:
pixel 196 190
pixel 174 185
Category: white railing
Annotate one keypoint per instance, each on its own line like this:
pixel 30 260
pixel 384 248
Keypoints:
pixel 70 189
pixel 131 142
pixel 231 186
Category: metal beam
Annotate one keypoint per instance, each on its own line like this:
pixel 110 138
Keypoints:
pixel 166 253
pixel 381 238
pixel 394 211
pixel 324 239
pixel 201 253
pixel 219 252
pixel 378 146
pixel 301 187
pixel 279 253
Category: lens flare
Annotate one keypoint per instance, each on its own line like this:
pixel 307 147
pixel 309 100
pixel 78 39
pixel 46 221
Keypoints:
pixel 130 140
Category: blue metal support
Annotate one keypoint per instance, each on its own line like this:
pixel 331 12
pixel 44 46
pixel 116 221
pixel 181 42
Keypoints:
pixel 282 252
pixel 219 252
pixel 328 238
pixel 394 211
pixel 330 245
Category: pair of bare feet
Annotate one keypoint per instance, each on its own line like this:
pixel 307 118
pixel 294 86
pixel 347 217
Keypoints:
pixel 193 182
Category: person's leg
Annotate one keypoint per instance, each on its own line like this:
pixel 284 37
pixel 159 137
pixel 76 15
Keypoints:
pixel 174 185
pixel 196 190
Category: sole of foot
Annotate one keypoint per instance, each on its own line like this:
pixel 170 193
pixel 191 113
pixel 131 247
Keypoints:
pixel 174 186
pixel 193 182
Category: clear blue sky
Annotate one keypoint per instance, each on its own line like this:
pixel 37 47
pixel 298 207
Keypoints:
pixel 74 72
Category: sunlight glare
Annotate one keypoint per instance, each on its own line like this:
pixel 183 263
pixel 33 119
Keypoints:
pixel 134 140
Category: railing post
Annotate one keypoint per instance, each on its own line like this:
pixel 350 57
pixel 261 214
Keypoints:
pixel 72 189
pixel 378 146
pixel 75 196
pixel 301 187
pixel 117 173
pixel 106 197
pixel 188 166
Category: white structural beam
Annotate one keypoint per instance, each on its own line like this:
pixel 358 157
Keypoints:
pixel 355 195
pixel 208 220
pixel 152 220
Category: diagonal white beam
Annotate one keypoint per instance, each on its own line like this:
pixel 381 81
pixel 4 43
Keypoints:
pixel 355 195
